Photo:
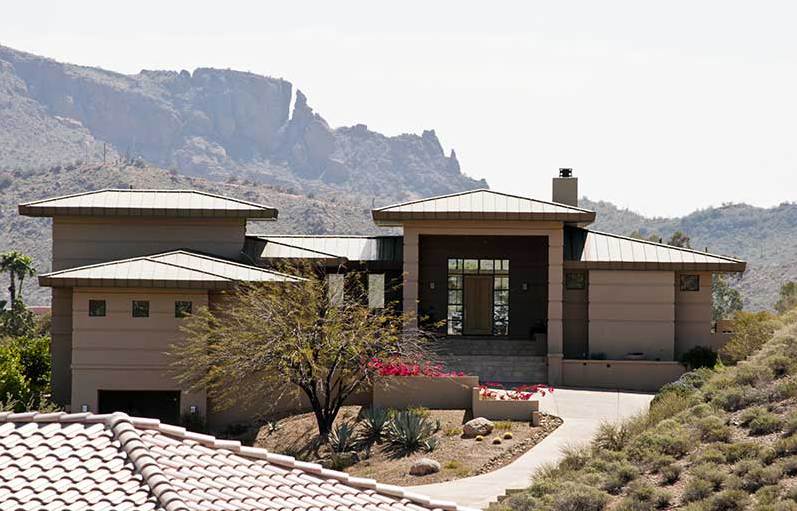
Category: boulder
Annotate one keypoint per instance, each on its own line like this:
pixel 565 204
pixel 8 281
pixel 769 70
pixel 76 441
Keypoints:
pixel 477 426
pixel 424 466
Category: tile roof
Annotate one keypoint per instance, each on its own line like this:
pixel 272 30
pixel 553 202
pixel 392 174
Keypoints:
pixel 599 250
pixel 350 248
pixel 480 205
pixel 116 462
pixel 178 269
pixel 157 203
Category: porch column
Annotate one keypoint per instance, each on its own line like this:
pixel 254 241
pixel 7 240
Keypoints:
pixel 410 277
pixel 555 297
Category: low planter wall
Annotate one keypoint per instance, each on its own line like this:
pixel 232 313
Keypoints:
pixel 640 375
pixel 494 409
pixel 445 393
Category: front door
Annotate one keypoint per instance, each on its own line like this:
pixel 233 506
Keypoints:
pixel 478 305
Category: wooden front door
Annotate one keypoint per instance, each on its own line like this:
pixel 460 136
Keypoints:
pixel 478 305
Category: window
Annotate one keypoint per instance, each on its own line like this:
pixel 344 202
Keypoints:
pixel 500 305
pixel 376 290
pixel 455 304
pixel 690 282
pixel 575 280
pixel 96 308
pixel 335 288
pixel 182 308
pixel 140 308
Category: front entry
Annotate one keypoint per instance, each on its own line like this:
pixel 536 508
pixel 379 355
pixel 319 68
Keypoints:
pixel 478 305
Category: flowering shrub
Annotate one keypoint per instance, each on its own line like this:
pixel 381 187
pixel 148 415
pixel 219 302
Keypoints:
pixel 492 390
pixel 400 368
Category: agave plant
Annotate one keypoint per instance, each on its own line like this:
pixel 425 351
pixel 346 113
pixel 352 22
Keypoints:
pixel 409 432
pixel 373 422
pixel 343 437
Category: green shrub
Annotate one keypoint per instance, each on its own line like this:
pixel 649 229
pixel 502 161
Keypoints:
pixel 619 474
pixel 753 475
pixel 574 458
pixel 408 432
pixel 13 383
pixel 786 446
pixel 612 436
pixel 699 357
pixel 751 413
pixel 785 389
pixel 714 474
pixel 751 331
pixel 765 423
pixel 740 450
pixel 711 453
pixel 646 493
pixel 729 500
pixel 789 466
pixel 733 398
pixel 767 454
pixel 671 473
pixel 790 424
pixel 713 429
pixel 780 365
pixel 750 374
pixel 572 496
pixel 343 437
pixel 372 423
pixel 669 438
pixel 767 494
pixel 697 489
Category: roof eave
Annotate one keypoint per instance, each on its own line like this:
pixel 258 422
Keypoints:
pixel 48 211
pixel 396 218
pixel 725 267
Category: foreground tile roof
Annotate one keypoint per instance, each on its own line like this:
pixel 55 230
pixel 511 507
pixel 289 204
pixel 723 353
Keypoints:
pixel 158 203
pixel 178 269
pixel 480 205
pixel 116 462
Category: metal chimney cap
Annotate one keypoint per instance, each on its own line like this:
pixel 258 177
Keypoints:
pixel 565 172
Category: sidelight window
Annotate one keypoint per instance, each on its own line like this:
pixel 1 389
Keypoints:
pixel 461 269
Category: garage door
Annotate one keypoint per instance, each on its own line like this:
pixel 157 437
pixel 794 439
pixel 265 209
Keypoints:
pixel 155 404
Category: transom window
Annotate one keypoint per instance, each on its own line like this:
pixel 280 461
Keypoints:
pixel 458 271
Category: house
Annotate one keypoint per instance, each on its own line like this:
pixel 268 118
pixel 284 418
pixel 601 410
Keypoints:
pixel 115 462
pixel 516 289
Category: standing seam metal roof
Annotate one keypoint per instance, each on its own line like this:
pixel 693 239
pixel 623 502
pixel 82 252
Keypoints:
pixel 180 268
pixel 54 461
pixel 158 203
pixel 594 249
pixel 351 248
pixel 480 204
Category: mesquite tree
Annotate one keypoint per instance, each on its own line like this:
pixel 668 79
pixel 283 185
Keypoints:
pixel 269 339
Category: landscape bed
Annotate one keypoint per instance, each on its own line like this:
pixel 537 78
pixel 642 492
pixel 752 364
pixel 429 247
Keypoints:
pixel 459 457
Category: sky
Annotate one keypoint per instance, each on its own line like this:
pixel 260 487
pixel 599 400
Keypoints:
pixel 660 107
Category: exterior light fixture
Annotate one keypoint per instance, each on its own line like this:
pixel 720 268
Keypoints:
pixel 84 408
pixel 431 285
pixel 525 286
pixel 193 409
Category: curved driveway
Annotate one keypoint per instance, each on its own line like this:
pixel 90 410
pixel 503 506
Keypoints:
pixel 582 412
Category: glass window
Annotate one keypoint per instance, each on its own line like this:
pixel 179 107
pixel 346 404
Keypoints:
pixel 471 265
pixel 335 288
pixel 499 269
pixel 455 265
pixel 182 308
pixel 376 290
pixel 140 308
pixel 575 280
pixel 486 266
pixel 96 308
pixel 690 282
pixel 501 283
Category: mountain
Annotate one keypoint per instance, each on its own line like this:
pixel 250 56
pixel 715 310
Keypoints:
pixel 211 123
pixel 764 237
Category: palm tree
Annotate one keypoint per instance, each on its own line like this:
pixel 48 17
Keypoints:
pixel 18 266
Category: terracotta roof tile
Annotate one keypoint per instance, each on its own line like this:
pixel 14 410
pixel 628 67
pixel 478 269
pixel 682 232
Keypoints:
pixel 85 461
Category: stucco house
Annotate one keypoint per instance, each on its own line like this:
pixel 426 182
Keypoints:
pixel 524 290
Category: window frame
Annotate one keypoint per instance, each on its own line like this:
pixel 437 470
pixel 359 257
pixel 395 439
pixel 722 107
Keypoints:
pixel 457 269
pixel 685 278
pixel 180 313
pixel 575 286
pixel 139 303
pixel 101 303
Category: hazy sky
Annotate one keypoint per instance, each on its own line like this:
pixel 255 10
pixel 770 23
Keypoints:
pixel 663 107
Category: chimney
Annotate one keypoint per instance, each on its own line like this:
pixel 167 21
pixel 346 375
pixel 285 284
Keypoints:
pixel 565 188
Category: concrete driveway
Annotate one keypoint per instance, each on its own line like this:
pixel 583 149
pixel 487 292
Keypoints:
pixel 582 412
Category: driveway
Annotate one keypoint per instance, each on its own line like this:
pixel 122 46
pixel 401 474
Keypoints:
pixel 582 412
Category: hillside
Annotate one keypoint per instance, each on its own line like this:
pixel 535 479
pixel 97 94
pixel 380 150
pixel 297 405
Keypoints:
pixel 765 237
pixel 210 123
pixel 299 213
pixel 716 440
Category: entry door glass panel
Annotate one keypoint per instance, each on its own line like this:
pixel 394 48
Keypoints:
pixel 478 297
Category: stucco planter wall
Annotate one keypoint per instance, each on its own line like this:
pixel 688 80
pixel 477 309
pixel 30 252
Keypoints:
pixel 447 393
pixel 642 375
pixel 495 409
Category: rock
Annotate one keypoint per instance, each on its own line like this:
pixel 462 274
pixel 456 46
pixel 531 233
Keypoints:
pixel 340 460
pixel 424 466
pixel 477 426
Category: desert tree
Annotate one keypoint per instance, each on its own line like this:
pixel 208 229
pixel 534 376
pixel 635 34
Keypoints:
pixel 316 335
pixel 787 297
pixel 680 239
pixel 726 301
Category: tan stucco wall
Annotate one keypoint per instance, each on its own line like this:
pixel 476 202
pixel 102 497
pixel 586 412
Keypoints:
pixel 399 392
pixel 575 311
pixel 693 316
pixel 632 311
pixel 640 375
pixel 120 352
pixel 86 240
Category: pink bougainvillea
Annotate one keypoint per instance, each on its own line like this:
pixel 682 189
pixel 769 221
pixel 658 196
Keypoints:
pixel 493 390
pixel 400 368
